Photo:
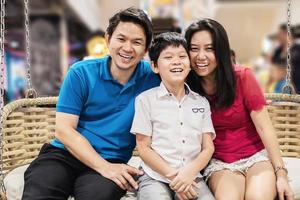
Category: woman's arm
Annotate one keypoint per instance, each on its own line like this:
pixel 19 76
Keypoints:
pixel 268 136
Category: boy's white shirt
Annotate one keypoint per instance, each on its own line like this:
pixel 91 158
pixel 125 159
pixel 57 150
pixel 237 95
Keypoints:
pixel 175 127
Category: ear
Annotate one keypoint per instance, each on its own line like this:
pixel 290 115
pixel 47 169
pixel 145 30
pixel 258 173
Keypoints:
pixel 107 38
pixel 154 67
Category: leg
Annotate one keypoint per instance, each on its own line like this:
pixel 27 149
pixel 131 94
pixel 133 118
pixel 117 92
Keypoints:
pixel 91 185
pixel 150 189
pixel 259 176
pixel 49 176
pixel 226 184
pixel 204 192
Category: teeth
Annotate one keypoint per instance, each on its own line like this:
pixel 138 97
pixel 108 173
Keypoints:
pixel 125 56
pixel 201 64
pixel 176 70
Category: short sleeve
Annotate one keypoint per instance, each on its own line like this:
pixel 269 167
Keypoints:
pixel 207 121
pixel 72 95
pixel 141 122
pixel 253 95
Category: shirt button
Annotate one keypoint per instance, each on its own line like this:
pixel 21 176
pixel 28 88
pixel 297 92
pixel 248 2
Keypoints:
pixel 170 94
pixel 183 159
pixel 183 141
pixel 179 106
pixel 181 123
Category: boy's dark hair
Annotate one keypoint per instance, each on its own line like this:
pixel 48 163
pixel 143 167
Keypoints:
pixel 164 40
pixel 225 75
pixel 134 15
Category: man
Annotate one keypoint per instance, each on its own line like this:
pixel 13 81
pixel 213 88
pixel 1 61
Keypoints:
pixel 94 114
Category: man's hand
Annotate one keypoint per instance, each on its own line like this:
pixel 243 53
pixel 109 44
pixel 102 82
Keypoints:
pixel 190 194
pixel 121 174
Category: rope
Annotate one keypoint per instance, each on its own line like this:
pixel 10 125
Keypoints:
pixel 2 55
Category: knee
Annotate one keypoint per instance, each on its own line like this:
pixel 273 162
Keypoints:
pixel 260 196
pixel 228 196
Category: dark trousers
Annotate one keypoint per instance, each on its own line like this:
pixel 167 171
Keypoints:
pixel 56 174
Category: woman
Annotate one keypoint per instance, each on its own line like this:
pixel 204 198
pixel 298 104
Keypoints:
pixel 247 162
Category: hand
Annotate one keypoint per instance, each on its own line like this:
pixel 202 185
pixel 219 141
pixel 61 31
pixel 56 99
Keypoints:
pixel 190 194
pixel 121 174
pixel 184 177
pixel 283 188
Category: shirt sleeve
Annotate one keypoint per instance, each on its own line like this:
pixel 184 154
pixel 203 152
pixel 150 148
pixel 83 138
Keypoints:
pixel 207 121
pixel 72 94
pixel 141 122
pixel 253 95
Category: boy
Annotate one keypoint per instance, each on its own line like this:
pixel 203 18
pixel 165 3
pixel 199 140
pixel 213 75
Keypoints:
pixel 94 112
pixel 173 128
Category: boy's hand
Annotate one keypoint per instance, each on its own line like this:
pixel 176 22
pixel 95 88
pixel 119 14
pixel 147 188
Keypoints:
pixel 190 194
pixel 184 177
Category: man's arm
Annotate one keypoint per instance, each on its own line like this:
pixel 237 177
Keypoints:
pixel 80 147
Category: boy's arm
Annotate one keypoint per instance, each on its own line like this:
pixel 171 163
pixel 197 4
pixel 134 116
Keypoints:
pixel 186 175
pixel 79 147
pixel 150 157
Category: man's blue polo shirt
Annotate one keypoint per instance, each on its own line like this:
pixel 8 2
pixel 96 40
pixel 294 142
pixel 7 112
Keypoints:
pixel 104 106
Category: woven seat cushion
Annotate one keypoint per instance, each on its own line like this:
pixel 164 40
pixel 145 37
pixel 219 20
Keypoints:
pixel 14 182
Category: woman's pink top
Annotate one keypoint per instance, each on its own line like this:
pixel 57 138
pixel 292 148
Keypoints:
pixel 237 137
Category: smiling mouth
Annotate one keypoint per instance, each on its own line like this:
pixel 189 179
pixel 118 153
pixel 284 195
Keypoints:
pixel 126 57
pixel 176 70
pixel 201 65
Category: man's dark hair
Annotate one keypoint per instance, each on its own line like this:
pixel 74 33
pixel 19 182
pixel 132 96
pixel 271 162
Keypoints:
pixel 134 15
pixel 225 75
pixel 164 40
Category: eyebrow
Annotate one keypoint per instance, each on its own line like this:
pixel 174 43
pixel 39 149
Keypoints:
pixel 209 44
pixel 136 39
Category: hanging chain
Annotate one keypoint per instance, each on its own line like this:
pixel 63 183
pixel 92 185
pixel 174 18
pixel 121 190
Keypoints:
pixel 30 91
pixel 2 54
pixel 288 88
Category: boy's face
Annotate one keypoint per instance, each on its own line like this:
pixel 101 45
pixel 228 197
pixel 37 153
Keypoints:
pixel 173 65
pixel 126 46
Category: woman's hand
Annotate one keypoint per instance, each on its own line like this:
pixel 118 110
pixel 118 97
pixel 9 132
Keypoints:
pixel 283 188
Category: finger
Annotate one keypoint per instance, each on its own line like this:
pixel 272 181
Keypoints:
pixel 193 192
pixel 131 181
pixel 189 195
pixel 133 170
pixel 187 189
pixel 179 196
pixel 280 195
pixel 182 188
pixel 119 183
pixel 196 185
pixel 123 181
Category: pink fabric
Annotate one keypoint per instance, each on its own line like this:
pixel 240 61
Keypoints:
pixel 236 136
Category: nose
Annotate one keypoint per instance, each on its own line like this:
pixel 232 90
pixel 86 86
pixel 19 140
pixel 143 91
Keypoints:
pixel 127 46
pixel 201 55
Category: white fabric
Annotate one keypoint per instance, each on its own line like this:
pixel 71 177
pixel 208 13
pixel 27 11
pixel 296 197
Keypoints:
pixel 175 127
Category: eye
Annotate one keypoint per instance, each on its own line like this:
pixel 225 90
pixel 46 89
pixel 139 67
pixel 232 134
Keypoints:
pixel 168 57
pixel 194 49
pixel 183 56
pixel 121 39
pixel 210 49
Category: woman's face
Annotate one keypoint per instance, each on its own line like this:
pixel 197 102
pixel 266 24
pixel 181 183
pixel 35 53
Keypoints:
pixel 202 54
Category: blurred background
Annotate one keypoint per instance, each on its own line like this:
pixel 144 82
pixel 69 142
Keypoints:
pixel 65 31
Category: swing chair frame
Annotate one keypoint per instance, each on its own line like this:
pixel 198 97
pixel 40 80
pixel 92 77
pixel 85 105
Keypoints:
pixel 28 123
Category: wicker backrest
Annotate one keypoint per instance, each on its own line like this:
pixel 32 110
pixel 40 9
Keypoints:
pixel 27 125
pixel 284 111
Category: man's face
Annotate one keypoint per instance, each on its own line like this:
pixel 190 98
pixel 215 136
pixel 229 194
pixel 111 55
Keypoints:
pixel 127 46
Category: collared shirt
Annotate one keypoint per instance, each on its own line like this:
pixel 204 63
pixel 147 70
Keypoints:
pixel 104 106
pixel 175 127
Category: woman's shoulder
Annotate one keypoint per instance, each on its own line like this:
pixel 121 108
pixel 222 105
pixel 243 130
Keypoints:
pixel 242 71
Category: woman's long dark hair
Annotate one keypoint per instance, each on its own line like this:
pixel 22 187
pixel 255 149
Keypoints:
pixel 225 75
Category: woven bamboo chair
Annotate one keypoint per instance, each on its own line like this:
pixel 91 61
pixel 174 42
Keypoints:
pixel 29 123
